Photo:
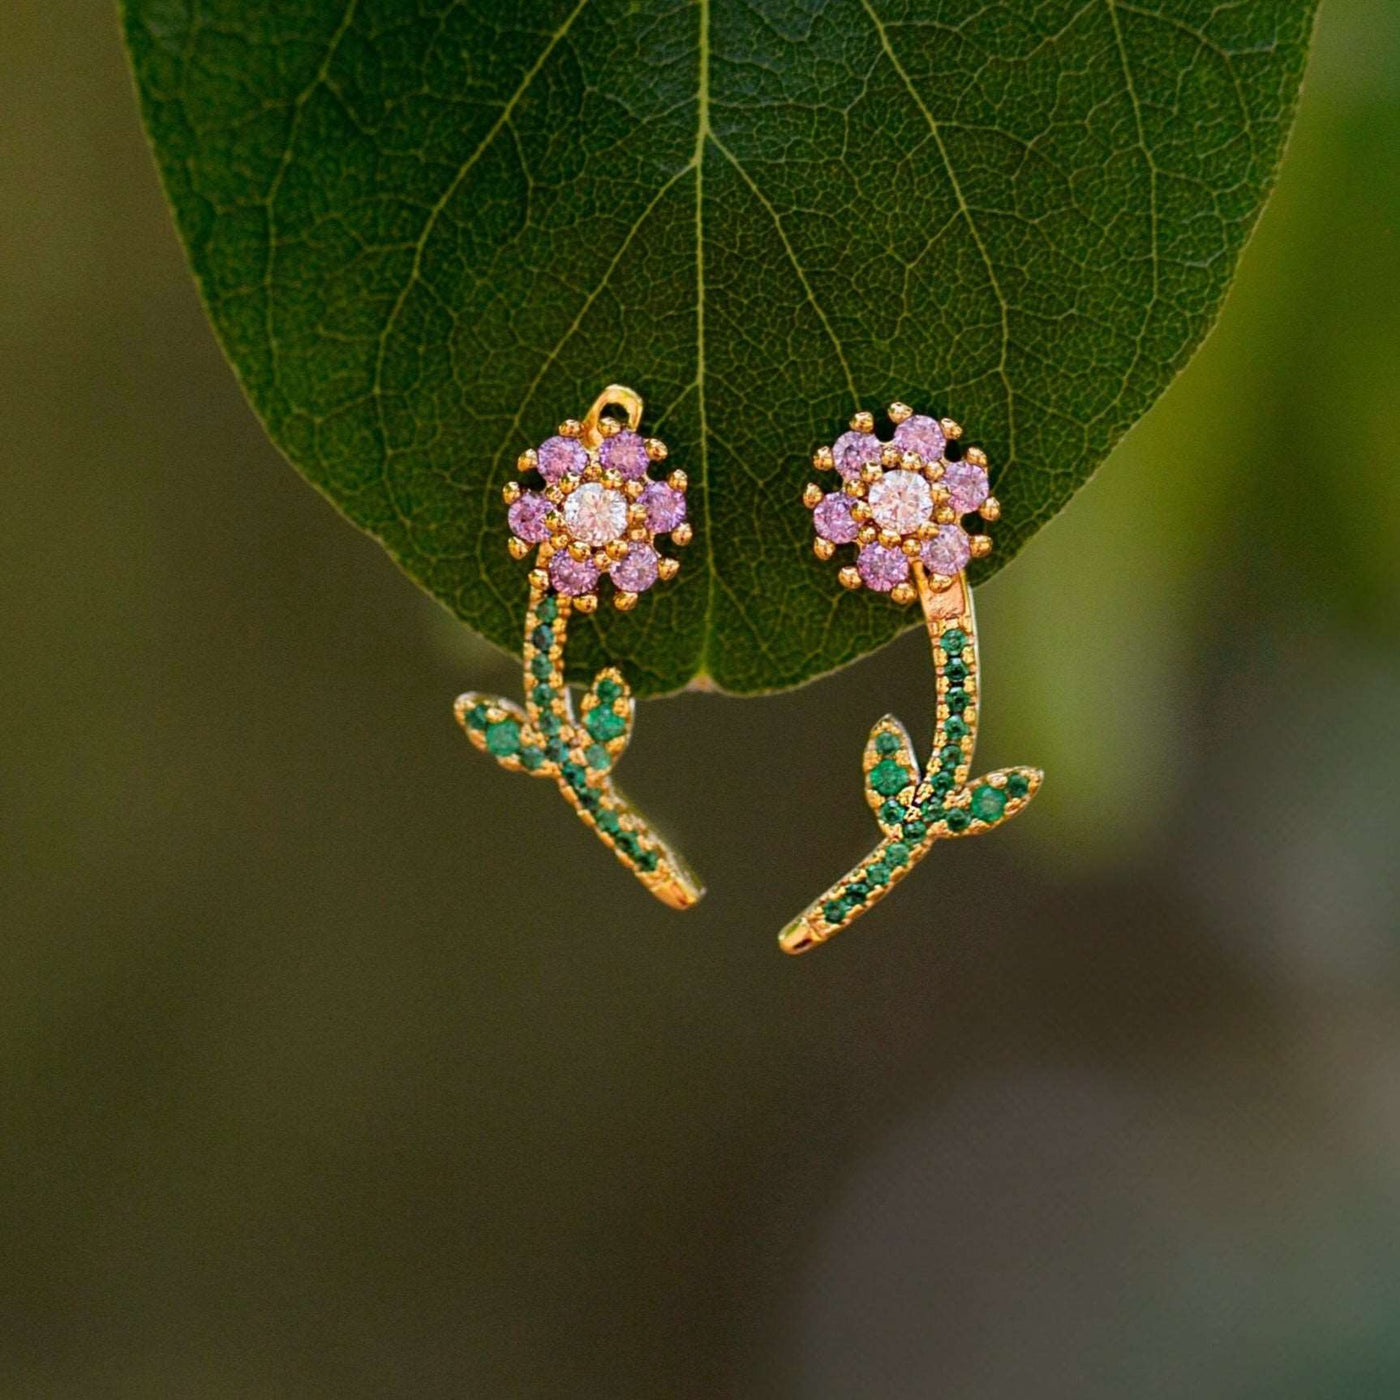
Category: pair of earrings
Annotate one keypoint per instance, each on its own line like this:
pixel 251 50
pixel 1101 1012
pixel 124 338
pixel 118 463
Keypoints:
pixel 597 507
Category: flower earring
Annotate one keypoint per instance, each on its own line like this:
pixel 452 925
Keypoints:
pixel 594 511
pixel 901 503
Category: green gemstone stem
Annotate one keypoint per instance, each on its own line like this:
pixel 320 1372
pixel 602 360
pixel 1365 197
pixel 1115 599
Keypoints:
pixel 547 740
pixel 916 811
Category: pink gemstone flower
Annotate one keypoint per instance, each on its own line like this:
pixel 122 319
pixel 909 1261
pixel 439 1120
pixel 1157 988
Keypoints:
pixel 598 512
pixel 900 503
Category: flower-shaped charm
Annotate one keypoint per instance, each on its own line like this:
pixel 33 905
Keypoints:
pixel 593 510
pixel 596 511
pixel 901 503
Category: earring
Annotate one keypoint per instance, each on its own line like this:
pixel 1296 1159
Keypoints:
pixel 900 503
pixel 592 511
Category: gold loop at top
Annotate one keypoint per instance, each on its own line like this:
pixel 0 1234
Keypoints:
pixel 624 398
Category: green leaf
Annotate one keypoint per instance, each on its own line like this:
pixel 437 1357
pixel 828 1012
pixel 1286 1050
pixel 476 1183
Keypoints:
pixel 425 232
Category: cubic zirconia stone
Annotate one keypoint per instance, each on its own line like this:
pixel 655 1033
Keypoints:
pixel 967 486
pixel 833 520
pixel 637 572
pixel 921 434
pixel 572 576
pixel 625 452
pixel 888 777
pixel 503 737
pixel 881 568
pixel 947 552
pixel 665 507
pixel 901 501
pixel 526 517
pixel 596 514
pixel 560 456
pixel 852 451
pixel 604 725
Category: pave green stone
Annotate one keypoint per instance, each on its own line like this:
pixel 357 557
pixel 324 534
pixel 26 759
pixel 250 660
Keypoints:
pixel 888 777
pixel 647 860
pixel 603 725
pixel 550 724
pixel 958 820
pixel 541 667
pixel 953 641
pixel 878 873
pixel 597 756
pixel 609 822
pixel 956 727
pixel 915 830
pixel 543 637
pixel 891 811
pixel 942 784
pixel 547 611
pixel 1018 785
pixel 988 803
pixel 857 890
pixel 503 738
pixel 956 700
pixel 542 694
pixel 607 690
pixel 951 755
pixel 574 775
pixel 896 853
pixel 476 717
pixel 887 743
pixel 956 670
pixel 835 910
pixel 532 758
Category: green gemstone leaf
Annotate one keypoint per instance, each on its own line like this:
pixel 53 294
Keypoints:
pixel 427 232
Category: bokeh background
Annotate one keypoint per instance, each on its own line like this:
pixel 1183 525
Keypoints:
pixel 312 1086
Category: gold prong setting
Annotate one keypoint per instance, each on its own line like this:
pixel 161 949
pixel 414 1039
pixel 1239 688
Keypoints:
pixel 915 488
pixel 595 511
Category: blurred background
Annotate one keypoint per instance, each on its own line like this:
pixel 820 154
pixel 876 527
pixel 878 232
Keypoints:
pixel 308 1087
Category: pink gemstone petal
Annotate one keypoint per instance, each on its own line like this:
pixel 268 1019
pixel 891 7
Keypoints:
pixel 921 434
pixel 527 516
pixel 947 552
pixel 665 507
pixel 558 456
pixel 882 567
pixel 637 571
pixel 572 576
pixel 833 520
pixel 967 486
pixel 626 453
pixel 853 450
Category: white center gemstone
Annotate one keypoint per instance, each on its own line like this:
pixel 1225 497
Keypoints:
pixel 901 501
pixel 595 514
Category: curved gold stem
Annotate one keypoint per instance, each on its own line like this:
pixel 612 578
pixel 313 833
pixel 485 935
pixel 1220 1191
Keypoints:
pixel 915 810
pixel 547 740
